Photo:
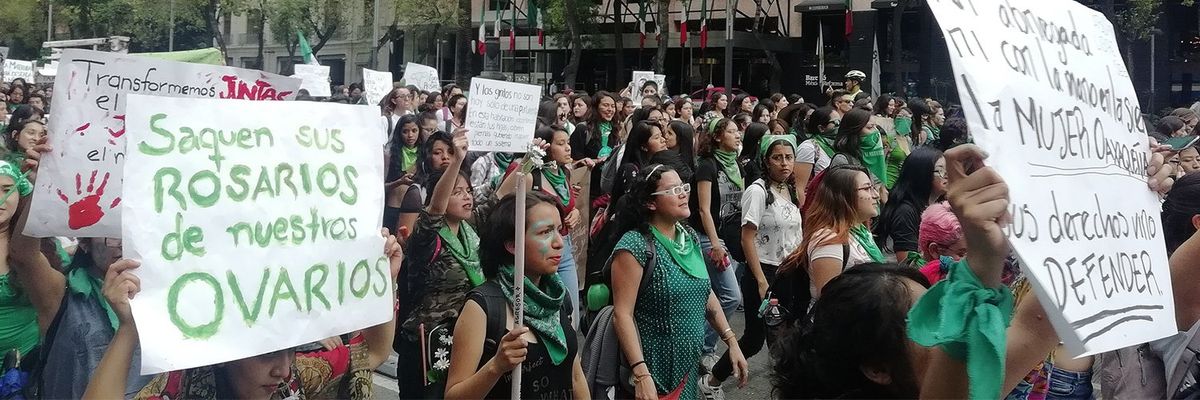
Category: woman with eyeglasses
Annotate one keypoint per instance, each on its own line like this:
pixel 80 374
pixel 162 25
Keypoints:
pixel 841 102
pixel 444 266
pixel 814 153
pixel 661 325
pixel 922 182
pixel 771 229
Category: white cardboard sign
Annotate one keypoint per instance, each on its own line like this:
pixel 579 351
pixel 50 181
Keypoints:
pixel 423 77
pixel 14 69
pixel 1047 95
pixel 79 184
pixel 502 115
pixel 272 245
pixel 314 79
pixel 639 79
pixel 376 85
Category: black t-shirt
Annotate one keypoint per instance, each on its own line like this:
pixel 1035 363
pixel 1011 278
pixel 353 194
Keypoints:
pixel 540 378
pixel 707 169
pixel 905 226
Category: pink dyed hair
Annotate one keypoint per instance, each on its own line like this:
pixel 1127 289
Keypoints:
pixel 938 225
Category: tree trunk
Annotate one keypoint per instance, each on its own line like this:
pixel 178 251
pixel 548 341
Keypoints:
pixel 463 70
pixel 571 70
pixel 664 35
pixel 618 39
pixel 776 69
pixel 262 28
pixel 897 54
pixel 212 18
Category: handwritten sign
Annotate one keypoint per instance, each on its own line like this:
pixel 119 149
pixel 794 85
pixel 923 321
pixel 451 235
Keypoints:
pixel 266 240
pixel 376 85
pixel 502 115
pixel 14 69
pixel 423 77
pixel 88 131
pixel 1047 96
pixel 314 79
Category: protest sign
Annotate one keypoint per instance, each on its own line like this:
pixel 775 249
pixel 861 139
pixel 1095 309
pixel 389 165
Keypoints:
pixel 1047 95
pixel 88 130
pixel 376 85
pixel 14 69
pixel 266 240
pixel 639 79
pixel 314 79
pixel 423 77
pixel 502 115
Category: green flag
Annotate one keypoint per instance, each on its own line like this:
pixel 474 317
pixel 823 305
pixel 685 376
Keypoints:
pixel 305 50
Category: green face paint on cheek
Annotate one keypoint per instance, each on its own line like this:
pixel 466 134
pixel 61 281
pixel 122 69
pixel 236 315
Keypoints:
pixel 543 240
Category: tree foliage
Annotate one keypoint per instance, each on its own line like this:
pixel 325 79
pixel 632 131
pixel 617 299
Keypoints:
pixel 1138 19
pixel 22 28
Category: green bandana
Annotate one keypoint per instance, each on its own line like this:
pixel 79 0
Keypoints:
pixel 825 141
pixel 767 141
pixel 465 251
pixel 903 126
pixel 559 183
pixel 969 322
pixel 685 250
pixel 542 310
pixel 409 159
pixel 873 157
pixel 729 164
pixel 605 131
pixel 20 182
pixel 79 281
pixel 502 159
pixel 862 235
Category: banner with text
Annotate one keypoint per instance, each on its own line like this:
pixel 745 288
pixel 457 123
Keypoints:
pixel 14 69
pixel 268 240
pixel 423 77
pixel 1047 95
pixel 88 131
pixel 502 115
pixel 376 85
pixel 314 79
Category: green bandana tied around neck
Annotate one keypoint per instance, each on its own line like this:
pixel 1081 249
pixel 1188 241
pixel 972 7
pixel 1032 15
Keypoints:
pixel 767 141
pixel 502 159
pixel 465 251
pixel 862 235
pixel 685 252
pixel 729 164
pixel 410 158
pixel 558 181
pixel 903 126
pixel 825 140
pixel 873 157
pixel 605 131
pixel 970 323
pixel 20 182
pixel 79 281
pixel 542 308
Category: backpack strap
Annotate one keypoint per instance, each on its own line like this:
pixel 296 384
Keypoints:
pixel 495 307
pixel 845 255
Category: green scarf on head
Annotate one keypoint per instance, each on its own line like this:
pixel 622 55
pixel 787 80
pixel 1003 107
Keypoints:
pixel 21 184
pixel 410 158
pixel 862 235
pixel 542 308
pixel 873 157
pixel 559 183
pixel 605 133
pixel 765 144
pixel 684 249
pixel 729 164
pixel 464 250
pixel 79 281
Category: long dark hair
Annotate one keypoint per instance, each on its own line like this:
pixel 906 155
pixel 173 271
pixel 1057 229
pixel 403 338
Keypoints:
pixel 954 132
pixel 849 137
pixel 638 137
pixel 819 118
pixel 632 213
pixel 737 103
pixel 1183 202
pixel 881 105
pixel 586 100
pixel 453 100
pixel 920 109
pixel 548 113
pixel 426 175
pixel 711 104
pixel 751 139
pixel 397 146
pixel 708 143
pixel 859 321
pixel 912 188
pixel 594 121
pixel 685 138
pixel 501 223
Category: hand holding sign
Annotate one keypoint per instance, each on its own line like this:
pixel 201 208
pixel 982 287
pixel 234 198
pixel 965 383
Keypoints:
pixel 120 286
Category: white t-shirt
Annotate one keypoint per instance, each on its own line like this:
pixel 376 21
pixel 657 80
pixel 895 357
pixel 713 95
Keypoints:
pixel 857 255
pixel 809 152
pixel 779 224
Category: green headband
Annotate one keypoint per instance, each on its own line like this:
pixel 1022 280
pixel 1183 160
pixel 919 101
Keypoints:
pixel 21 182
pixel 712 124
pixel 767 141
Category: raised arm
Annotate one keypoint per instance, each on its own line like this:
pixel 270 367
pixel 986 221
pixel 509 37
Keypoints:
pixel 445 184
pixel 44 284
pixel 379 337
pixel 108 380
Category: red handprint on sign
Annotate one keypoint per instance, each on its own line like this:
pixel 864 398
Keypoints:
pixel 86 211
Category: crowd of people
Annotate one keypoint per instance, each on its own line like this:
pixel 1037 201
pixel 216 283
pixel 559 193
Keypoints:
pixel 842 229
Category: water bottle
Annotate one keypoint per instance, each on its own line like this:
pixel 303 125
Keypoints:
pixel 773 316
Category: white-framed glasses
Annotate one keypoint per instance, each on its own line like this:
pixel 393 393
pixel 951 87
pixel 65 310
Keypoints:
pixel 675 190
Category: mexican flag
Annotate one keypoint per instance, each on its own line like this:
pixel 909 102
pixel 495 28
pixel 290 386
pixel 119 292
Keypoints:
pixel 534 19
pixel 642 25
pixel 305 50
pixel 703 24
pixel 849 17
pixel 480 48
pixel 687 8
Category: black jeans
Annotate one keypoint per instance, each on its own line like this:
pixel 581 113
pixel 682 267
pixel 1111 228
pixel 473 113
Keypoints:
pixel 756 330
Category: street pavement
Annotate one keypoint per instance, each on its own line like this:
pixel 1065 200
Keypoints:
pixel 759 386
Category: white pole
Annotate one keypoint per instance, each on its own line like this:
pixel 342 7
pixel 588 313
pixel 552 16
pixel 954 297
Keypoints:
pixel 519 274
pixel 49 20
